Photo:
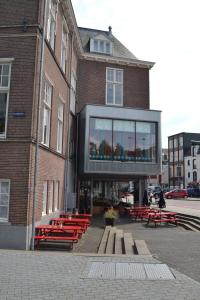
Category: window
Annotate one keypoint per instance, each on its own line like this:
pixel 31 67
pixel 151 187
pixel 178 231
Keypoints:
pixel 51 23
pixel 122 140
pixel 4 94
pixel 64 49
pixel 73 94
pixel 44 198
pixel 180 141
pixel 170 144
pixel 194 176
pixel 100 46
pixel 188 174
pixel 60 127
pixel 194 163
pixel 114 86
pixel 188 162
pixel 4 199
pixel 50 196
pixel 56 195
pixel 47 113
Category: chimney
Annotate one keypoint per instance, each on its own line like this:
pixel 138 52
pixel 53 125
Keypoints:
pixel 110 29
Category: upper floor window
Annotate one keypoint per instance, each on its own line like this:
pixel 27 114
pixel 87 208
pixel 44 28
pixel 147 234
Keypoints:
pixel 46 114
pixel 60 127
pixel 180 141
pixel 171 144
pixel 51 23
pixel 194 164
pixel 188 162
pixel 100 46
pixel 73 94
pixel 4 94
pixel 64 49
pixel 44 198
pixel 114 86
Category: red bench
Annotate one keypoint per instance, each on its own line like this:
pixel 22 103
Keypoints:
pixel 70 239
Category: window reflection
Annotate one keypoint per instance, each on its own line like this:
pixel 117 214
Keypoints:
pixel 122 140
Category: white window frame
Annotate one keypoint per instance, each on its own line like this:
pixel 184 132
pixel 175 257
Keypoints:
pixel 47 102
pixel 60 126
pixel 98 49
pixel 50 196
pixel 44 198
pixel 64 47
pixel 73 93
pixel 56 195
pixel 6 90
pixel 8 204
pixel 114 82
pixel 52 16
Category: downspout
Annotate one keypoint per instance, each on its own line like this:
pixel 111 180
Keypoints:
pixel 38 126
pixel 66 183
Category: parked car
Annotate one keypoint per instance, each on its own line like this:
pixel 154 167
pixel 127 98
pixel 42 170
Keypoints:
pixel 176 193
pixel 193 192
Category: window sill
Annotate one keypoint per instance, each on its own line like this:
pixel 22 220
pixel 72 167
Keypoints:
pixel 4 222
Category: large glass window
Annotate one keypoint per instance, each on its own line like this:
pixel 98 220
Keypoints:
pixel 64 49
pixel 4 199
pixel 114 86
pixel 51 23
pixel 145 141
pixel 44 198
pixel 4 91
pixel 122 140
pixel 100 139
pixel 73 94
pixel 60 127
pixel 47 114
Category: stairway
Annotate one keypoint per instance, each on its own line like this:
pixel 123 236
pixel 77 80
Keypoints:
pixel 116 241
pixel 189 222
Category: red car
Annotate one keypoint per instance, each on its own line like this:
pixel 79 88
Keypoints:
pixel 177 193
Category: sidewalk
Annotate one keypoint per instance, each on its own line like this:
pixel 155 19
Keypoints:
pixel 57 275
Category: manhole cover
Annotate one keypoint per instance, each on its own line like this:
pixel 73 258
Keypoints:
pixel 110 270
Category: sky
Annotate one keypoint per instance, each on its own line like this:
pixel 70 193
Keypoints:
pixel 166 32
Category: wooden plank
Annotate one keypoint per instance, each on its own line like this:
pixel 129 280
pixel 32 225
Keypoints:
pixel 141 247
pixel 118 241
pixel 102 246
pixel 128 243
pixel 111 240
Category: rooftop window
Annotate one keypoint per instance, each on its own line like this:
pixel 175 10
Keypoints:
pixel 100 46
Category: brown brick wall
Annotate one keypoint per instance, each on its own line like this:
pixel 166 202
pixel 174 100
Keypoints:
pixel 13 12
pixel 92 84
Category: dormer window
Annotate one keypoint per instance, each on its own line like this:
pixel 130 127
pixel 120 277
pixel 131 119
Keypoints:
pixel 100 46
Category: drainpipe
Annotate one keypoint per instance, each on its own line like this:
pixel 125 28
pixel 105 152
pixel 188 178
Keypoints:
pixel 66 183
pixel 38 126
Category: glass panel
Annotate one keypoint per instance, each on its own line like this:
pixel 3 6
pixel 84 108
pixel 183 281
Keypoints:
pixel 44 202
pixel 118 94
pixel 100 139
pixel 124 140
pixel 110 93
pixel 145 141
pixel 101 46
pixel 3 102
pixel 4 81
pixel 118 76
pixel 95 45
pixel 3 212
pixel 4 200
pixel 110 73
pixel 4 187
pixel 108 48
pixel 6 70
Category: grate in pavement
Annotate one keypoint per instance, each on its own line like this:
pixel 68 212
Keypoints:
pixel 137 271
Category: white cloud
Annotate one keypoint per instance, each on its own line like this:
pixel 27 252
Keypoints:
pixel 166 32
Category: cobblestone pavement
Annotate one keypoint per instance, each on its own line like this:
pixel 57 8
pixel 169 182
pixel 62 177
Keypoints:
pixel 27 275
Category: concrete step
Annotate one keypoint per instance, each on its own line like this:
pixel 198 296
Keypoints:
pixel 140 247
pixel 128 243
pixel 187 225
pixel 102 246
pixel 111 241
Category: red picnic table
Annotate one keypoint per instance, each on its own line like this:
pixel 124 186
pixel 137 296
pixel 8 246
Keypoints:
pixel 81 216
pixel 161 217
pixel 84 223
pixel 57 233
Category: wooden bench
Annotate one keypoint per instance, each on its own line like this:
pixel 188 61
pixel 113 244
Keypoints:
pixel 141 248
pixel 128 243
pixel 70 239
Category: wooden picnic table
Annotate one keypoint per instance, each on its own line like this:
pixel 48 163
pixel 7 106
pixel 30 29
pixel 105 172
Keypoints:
pixel 61 233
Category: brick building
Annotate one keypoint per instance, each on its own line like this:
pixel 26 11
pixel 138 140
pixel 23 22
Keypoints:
pixel 55 144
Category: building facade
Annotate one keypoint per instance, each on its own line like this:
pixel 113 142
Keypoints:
pixel 39 51
pixel 179 148
pixel 75 118
pixel 119 139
